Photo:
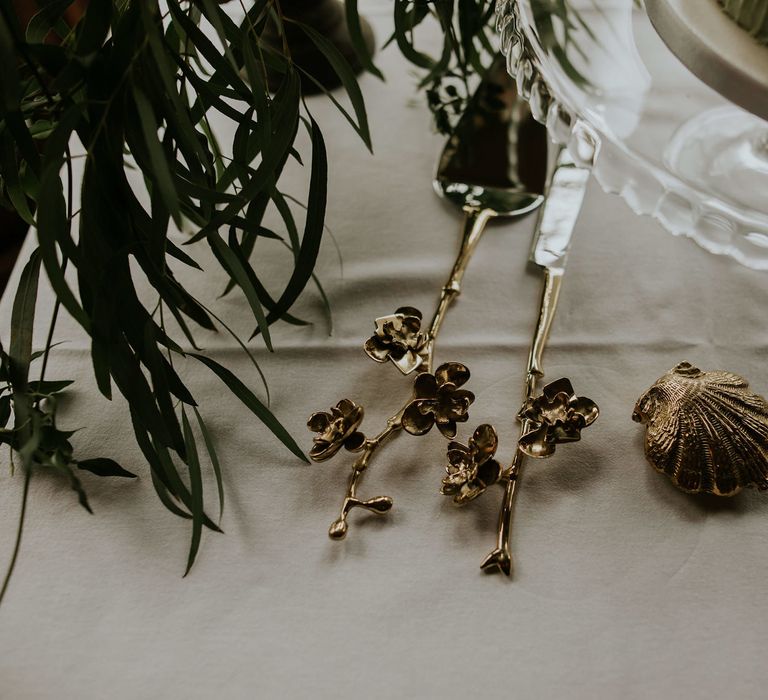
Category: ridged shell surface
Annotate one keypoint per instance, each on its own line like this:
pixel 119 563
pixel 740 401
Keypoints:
pixel 706 430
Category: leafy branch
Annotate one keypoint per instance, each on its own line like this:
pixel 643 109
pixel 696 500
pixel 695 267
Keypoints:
pixel 132 85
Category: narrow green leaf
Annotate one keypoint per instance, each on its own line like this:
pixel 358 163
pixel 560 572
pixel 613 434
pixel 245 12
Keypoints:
pixel 263 294
pixel 232 264
pixel 133 385
pixel 184 327
pixel 52 227
pixel 211 54
pixel 175 252
pixel 162 469
pixel 251 402
pixel 101 361
pixel 286 119
pixel 355 28
pixel 158 157
pixel 22 323
pixel 301 204
pixel 214 14
pixel 211 448
pixel 326 303
pixel 179 113
pixel 46 388
pixel 329 94
pixel 218 160
pixel 39 353
pixel 401 33
pixel 206 195
pixel 74 483
pixel 165 478
pixel 245 349
pixel 160 373
pixel 207 96
pixel 165 497
pixel 258 82
pixel 103 466
pixel 313 226
pixel 10 90
pixel 196 488
pixel 346 75
pixel 10 170
pixel 284 209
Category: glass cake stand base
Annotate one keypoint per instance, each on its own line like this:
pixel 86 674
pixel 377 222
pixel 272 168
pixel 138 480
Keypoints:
pixel 724 151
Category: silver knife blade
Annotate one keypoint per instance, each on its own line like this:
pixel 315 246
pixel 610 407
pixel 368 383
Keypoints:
pixel 558 215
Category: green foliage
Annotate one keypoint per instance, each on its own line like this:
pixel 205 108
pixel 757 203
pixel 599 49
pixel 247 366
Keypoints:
pixel 132 85
pixel 468 47
pixel 34 435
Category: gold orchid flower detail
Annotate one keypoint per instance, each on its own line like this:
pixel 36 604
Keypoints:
pixel 438 400
pixel 557 416
pixel 336 429
pixel 472 469
pixel 398 338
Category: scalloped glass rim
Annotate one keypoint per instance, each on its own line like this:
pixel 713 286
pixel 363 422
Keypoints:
pixel 716 223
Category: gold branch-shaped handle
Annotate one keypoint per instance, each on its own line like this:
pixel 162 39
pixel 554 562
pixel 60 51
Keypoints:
pixel 437 398
pixel 475 221
pixel 557 416
pixel 501 558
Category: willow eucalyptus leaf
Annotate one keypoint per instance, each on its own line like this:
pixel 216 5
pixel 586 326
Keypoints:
pixel 210 446
pixel 250 400
pixel 22 324
pixel 103 466
pixel 347 77
pixel 355 29
pixel 196 489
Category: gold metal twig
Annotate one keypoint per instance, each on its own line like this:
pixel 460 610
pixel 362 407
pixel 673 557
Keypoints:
pixel 420 359
pixel 501 557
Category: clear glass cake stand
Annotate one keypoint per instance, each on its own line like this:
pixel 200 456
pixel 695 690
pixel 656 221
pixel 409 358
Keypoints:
pixel 608 86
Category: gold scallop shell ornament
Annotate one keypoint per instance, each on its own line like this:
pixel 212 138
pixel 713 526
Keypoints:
pixel 706 431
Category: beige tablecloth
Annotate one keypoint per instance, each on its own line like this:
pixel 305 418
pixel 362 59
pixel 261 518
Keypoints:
pixel 623 586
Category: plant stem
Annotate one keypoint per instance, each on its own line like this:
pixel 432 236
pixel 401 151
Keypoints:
pixel 19 531
pixel 46 353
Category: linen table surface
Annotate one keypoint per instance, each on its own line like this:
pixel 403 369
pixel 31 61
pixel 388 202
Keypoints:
pixel 623 586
